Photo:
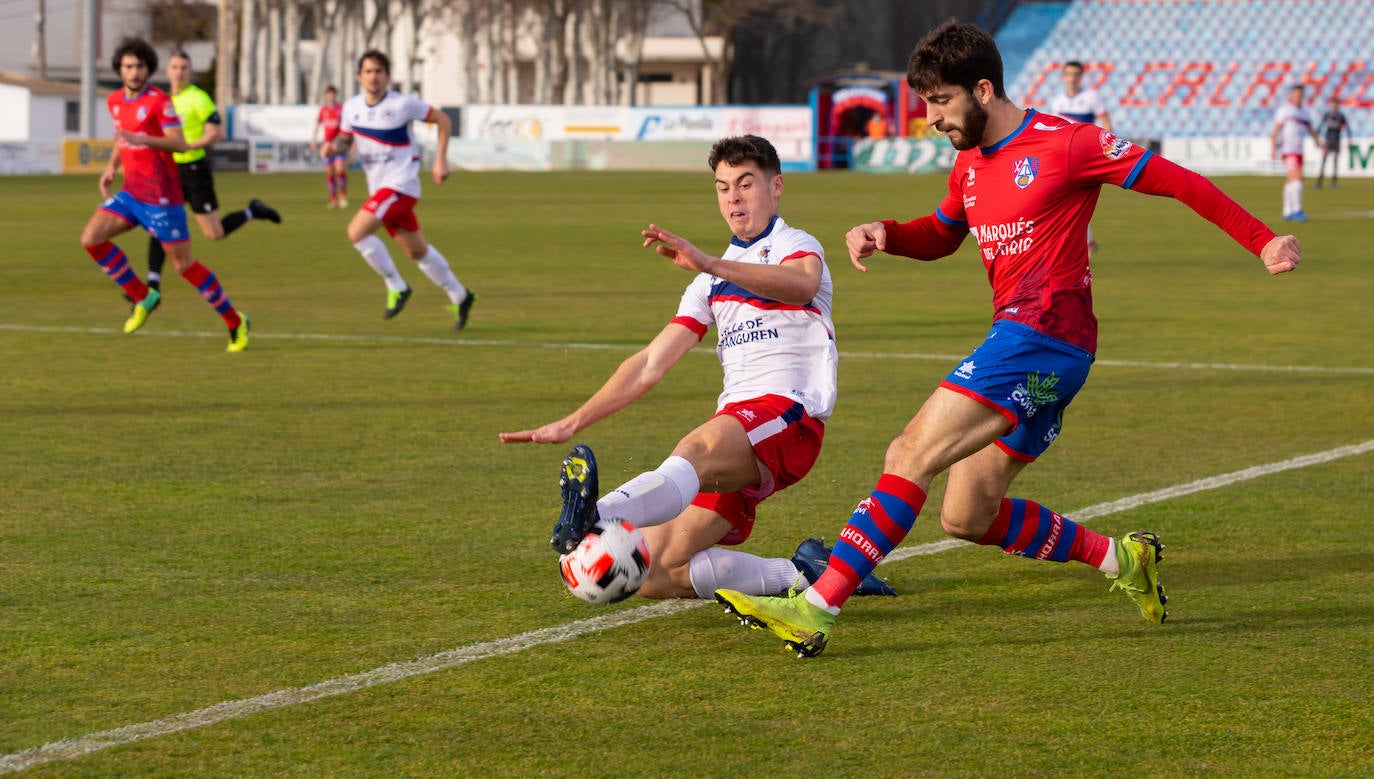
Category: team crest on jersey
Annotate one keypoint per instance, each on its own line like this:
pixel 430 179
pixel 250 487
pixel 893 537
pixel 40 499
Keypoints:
pixel 969 183
pixel 142 113
pixel 1113 148
pixel 1023 171
pixel 763 253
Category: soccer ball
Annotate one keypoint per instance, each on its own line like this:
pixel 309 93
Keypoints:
pixel 609 565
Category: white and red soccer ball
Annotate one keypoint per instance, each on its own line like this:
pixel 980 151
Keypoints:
pixel 609 565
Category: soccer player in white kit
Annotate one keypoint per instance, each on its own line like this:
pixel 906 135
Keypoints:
pixel 1080 105
pixel 768 296
pixel 377 123
pixel 1292 124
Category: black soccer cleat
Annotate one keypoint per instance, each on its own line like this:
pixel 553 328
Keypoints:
pixel 577 481
pixel 461 310
pixel 261 210
pixel 812 558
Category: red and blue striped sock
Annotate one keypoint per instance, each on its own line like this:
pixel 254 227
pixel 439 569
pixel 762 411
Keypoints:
pixel 876 527
pixel 1026 528
pixel 209 288
pixel 115 264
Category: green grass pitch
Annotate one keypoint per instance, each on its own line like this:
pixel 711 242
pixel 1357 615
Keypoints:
pixel 180 527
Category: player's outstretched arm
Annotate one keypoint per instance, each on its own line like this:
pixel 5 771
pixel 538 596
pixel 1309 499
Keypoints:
pixel 635 376
pixel 863 240
pixel 1282 254
pixel 796 281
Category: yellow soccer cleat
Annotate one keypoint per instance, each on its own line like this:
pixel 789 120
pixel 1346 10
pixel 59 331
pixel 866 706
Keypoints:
pixel 141 310
pixel 1138 556
pixel 238 336
pixel 804 628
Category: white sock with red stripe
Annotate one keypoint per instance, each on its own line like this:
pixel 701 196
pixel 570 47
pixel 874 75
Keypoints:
pixel 653 497
pixel 379 259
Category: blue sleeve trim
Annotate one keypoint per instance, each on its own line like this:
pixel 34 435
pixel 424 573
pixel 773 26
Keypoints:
pixel 1135 171
pixel 960 223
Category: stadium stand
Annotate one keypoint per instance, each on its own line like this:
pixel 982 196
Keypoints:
pixel 1196 67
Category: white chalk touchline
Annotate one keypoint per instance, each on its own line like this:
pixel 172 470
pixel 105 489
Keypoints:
pixel 346 338
pixel 68 749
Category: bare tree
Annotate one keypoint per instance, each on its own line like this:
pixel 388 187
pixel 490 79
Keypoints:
pixel 724 18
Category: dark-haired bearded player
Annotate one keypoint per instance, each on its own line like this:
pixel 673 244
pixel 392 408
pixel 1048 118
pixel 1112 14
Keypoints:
pixel 1025 185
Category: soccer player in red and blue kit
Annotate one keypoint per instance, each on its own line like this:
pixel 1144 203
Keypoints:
pixel 147 131
pixel 1025 185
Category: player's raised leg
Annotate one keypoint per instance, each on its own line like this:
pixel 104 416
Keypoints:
pixel 210 289
pixel 103 225
pixel 436 267
pixel 362 231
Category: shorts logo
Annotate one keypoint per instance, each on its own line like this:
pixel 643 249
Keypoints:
pixel 1113 148
pixel 745 414
pixel 1023 171
pixel 965 371
pixel 1037 390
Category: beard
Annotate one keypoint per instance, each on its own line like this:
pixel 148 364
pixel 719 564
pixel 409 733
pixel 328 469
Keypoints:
pixel 971 129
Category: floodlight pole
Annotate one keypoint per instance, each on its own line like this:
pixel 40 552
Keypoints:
pixel 88 55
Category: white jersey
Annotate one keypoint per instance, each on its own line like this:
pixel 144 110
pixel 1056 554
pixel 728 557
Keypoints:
pixel 1085 106
pixel 767 347
pixel 381 135
pixel 1295 124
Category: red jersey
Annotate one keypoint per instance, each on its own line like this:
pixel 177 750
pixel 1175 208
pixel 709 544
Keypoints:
pixel 330 117
pixel 150 175
pixel 1027 200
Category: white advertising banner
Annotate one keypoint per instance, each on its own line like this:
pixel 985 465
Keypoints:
pixel 23 157
pixel 274 122
pixel 1252 155
pixel 789 128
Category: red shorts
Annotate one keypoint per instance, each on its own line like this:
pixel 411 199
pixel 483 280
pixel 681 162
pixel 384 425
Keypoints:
pixel 397 211
pixel 1292 162
pixel 786 440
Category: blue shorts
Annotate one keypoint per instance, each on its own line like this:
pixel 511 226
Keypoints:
pixel 1028 376
pixel 335 158
pixel 166 223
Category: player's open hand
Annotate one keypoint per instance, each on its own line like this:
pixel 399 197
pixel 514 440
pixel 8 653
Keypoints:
pixel 441 170
pixel 863 240
pixel 678 249
pixel 552 433
pixel 106 179
pixel 1282 254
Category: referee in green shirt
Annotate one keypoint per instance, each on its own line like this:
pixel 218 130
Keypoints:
pixel 200 124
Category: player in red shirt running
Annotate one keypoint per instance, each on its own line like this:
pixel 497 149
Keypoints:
pixel 335 164
pixel 147 131
pixel 1025 185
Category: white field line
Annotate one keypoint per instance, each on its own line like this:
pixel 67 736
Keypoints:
pixel 68 749
pixel 344 338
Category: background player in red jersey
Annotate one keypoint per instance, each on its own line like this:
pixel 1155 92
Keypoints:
pixel 147 131
pixel 335 164
pixel 1025 184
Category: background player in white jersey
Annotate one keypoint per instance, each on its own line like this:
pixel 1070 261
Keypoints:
pixel 1292 124
pixel 769 298
pixel 1080 105
pixel 377 123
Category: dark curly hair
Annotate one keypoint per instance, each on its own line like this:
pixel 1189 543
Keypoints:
pixel 745 148
pixel 137 47
pixel 960 55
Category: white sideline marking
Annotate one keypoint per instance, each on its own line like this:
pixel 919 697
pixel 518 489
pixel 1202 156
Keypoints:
pixel 345 338
pixel 68 749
